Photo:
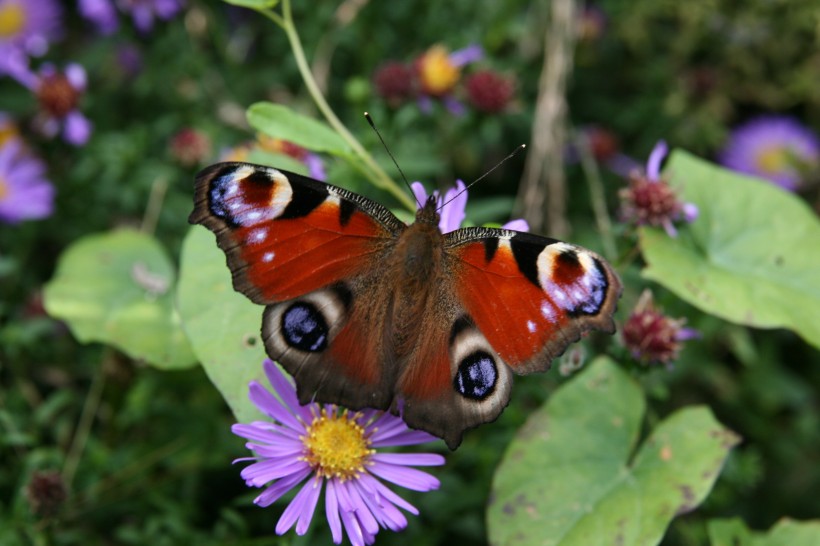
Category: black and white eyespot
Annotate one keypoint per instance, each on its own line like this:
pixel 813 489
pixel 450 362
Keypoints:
pixel 307 324
pixel 249 195
pixel 479 374
pixel 573 278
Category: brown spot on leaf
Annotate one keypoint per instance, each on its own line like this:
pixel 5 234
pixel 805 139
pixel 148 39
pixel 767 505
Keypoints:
pixel 666 453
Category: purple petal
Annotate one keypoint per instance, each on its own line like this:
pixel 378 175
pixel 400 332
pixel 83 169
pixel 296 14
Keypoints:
pixel 76 76
pixel 353 500
pixel 77 129
pixel 385 513
pixel 100 12
pixel 332 511
pixel 410 459
pixel 352 528
pixel 519 224
pixel 382 491
pixel 270 434
pixel 405 438
pixel 275 491
pixel 653 166
pixel 685 334
pixel 316 167
pixel 690 212
pixel 454 106
pixel 455 203
pixel 425 104
pixel 301 508
pixel 409 478
pixel 467 55
pixel 268 470
pixel 286 391
pixel 270 406
pixel 669 227
pixel 420 193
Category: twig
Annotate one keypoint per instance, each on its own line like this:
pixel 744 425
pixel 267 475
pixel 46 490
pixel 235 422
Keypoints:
pixel 596 192
pixel 546 157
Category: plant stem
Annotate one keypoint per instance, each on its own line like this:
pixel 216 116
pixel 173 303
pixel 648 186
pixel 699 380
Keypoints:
pixel 596 192
pixel 374 172
pixel 92 402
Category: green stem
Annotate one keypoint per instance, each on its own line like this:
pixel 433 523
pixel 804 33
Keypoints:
pixel 374 172
pixel 596 191
pixel 92 402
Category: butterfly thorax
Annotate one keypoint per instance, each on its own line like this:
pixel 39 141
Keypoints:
pixel 417 264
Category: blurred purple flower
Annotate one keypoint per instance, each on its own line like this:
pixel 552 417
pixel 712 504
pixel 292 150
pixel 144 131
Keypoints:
pixel 777 148
pixel 27 27
pixel 59 95
pixel 438 73
pixel 25 193
pixel 101 13
pixel 143 12
pixel 328 447
pixel 650 200
pixel 452 207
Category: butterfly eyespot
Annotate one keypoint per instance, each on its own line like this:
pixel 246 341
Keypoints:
pixel 304 327
pixel 476 376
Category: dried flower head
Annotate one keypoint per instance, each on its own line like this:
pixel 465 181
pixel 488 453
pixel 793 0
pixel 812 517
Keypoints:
pixel 650 200
pixel 651 336
pixel 489 91
pixel 46 492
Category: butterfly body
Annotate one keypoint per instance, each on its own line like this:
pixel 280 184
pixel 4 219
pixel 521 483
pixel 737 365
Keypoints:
pixel 366 311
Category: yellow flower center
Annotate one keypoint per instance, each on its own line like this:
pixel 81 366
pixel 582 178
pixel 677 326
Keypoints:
pixel 12 19
pixel 773 160
pixel 437 73
pixel 8 131
pixel 336 447
pixel 4 188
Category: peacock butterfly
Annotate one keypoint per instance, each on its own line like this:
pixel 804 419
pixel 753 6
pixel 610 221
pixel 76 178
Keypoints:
pixel 366 311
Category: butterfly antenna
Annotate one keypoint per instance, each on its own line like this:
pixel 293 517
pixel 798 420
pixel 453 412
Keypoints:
pixel 396 163
pixel 474 182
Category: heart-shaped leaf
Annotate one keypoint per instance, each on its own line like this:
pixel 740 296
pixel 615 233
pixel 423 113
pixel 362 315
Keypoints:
pixel 117 288
pixel 223 325
pixel 751 256
pixel 786 532
pixel 567 478
pixel 279 121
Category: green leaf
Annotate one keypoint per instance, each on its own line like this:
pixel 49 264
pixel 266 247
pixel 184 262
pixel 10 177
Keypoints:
pixel 751 256
pixel 117 288
pixel 253 4
pixel 278 121
pixel 222 324
pixel 786 532
pixel 567 479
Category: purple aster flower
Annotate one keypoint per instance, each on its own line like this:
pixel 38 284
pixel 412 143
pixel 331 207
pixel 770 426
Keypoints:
pixel 328 447
pixel 101 13
pixel 438 73
pixel 649 200
pixel 25 193
pixel 59 95
pixel 27 27
pixel 452 207
pixel 777 148
pixel 145 11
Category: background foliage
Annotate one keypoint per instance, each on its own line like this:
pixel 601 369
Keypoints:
pixel 145 449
